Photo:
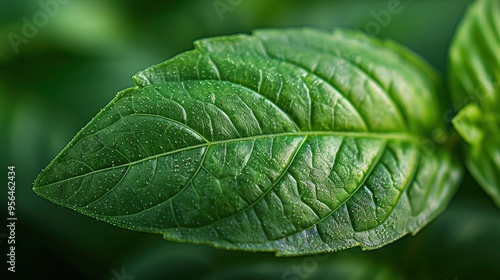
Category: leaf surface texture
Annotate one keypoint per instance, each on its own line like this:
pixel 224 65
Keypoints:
pixel 295 141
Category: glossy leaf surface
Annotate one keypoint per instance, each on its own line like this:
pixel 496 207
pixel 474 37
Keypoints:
pixel 293 141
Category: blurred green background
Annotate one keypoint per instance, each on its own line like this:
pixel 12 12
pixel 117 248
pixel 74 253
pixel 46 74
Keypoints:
pixel 86 51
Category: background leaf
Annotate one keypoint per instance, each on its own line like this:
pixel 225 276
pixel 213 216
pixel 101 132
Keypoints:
pixel 266 143
pixel 475 80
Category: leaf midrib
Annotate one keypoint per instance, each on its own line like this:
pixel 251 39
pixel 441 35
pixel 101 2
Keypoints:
pixel 405 137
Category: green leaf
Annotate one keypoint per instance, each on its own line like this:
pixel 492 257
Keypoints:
pixel 475 80
pixel 293 141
